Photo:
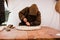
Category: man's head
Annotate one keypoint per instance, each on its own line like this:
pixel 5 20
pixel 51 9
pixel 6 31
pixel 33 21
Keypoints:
pixel 33 9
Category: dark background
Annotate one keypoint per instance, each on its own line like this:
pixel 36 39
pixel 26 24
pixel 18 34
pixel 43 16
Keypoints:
pixel 2 12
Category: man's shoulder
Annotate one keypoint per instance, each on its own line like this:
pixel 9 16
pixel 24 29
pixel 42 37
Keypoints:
pixel 26 8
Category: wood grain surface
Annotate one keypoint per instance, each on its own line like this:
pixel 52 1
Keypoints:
pixel 44 32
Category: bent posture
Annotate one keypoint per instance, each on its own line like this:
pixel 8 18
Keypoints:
pixel 30 16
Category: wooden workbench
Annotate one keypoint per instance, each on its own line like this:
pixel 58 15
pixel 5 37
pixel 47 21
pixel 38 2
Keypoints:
pixel 44 32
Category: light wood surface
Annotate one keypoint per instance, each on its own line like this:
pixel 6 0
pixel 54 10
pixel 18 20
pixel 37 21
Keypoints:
pixel 43 32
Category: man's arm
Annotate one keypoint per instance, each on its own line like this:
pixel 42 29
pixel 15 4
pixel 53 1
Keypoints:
pixel 22 17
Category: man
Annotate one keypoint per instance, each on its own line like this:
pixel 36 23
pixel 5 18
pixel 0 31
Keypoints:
pixel 30 16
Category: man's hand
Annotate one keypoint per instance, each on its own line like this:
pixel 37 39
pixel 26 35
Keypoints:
pixel 27 23
pixel 25 20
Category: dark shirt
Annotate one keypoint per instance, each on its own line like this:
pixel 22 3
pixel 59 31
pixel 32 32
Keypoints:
pixel 33 19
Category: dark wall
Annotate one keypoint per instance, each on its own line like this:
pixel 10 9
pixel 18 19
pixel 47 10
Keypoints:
pixel 2 11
